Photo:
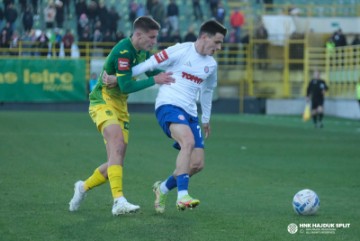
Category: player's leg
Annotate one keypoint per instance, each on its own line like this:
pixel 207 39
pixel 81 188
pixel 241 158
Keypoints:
pixel 116 143
pixel 184 136
pixel 320 111
pixel 99 176
pixel 161 189
pixel 81 187
pixel 197 161
pixel 314 114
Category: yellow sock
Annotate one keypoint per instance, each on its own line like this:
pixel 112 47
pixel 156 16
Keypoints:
pixel 115 173
pixel 96 179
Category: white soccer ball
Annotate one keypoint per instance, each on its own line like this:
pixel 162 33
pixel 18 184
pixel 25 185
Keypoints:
pixel 306 202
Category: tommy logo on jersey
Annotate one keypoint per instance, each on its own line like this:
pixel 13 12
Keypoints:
pixel 123 64
pixel 192 78
pixel 161 56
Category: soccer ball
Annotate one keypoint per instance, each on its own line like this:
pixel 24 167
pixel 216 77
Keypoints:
pixel 306 202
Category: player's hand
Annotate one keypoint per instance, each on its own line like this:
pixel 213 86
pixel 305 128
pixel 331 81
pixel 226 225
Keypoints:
pixel 164 78
pixel 207 130
pixel 109 81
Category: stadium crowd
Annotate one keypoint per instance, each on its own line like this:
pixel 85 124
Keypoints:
pixel 52 24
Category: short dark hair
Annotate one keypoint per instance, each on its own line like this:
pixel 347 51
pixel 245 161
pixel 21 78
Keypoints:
pixel 212 27
pixel 146 24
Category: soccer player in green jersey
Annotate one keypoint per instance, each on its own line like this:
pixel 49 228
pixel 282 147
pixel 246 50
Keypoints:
pixel 108 109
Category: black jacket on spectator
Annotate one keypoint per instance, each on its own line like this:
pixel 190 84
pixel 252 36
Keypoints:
pixel 28 19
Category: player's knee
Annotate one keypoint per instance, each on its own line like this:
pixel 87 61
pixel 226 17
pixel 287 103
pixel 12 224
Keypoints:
pixel 187 145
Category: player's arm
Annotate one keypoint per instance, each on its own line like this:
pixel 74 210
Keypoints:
pixel 124 75
pixel 160 60
pixel 206 96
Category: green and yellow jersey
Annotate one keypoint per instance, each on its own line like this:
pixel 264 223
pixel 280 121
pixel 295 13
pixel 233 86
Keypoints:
pixel 119 62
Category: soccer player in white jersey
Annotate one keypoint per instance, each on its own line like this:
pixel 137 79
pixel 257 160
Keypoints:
pixel 195 72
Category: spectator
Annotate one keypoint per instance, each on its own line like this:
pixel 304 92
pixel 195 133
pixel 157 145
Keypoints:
pixel 213 4
pixel 56 40
pixel 262 48
pixel 133 7
pixel 28 40
pixel 141 11
pixel 173 15
pixel 356 40
pixel 113 20
pixel 220 13
pixel 119 36
pixel 35 7
pixel 158 12
pixel 245 40
pixel 198 14
pixel 233 47
pixel 49 15
pixel 66 4
pixel 14 43
pixel 237 20
pixel 97 38
pixel 104 17
pixel 28 19
pixel 80 8
pixel 68 40
pixel 1 16
pixel 43 44
pixel 11 15
pixel 108 41
pixel 84 39
pixel 190 35
pixel 4 42
pixel 164 39
pixel 59 17
pixel 8 29
pixel 22 5
pixel 149 5
pixel 176 37
pixel 82 23
pixel 92 13
pixel 339 38
pixel 108 38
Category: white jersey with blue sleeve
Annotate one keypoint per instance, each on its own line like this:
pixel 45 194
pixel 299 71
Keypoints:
pixel 195 76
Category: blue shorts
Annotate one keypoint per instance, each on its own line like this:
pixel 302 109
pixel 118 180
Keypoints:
pixel 167 114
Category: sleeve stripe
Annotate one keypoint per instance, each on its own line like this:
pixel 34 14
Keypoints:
pixel 161 56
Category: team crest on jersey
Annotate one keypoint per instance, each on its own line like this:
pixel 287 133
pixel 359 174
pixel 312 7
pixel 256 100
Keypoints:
pixel 161 56
pixel 123 64
pixel 206 69
pixel 181 117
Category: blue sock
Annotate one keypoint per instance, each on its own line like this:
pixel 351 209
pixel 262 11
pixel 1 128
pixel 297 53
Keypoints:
pixel 171 182
pixel 182 182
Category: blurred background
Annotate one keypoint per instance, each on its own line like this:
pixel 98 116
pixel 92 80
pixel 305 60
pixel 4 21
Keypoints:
pixel 51 52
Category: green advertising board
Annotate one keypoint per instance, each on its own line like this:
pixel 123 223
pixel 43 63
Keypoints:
pixel 42 80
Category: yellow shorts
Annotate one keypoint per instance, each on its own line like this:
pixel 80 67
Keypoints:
pixel 104 115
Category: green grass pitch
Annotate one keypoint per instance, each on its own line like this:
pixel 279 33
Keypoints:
pixel 254 166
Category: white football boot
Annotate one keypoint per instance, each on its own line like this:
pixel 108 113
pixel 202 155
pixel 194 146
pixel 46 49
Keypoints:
pixel 122 206
pixel 79 195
